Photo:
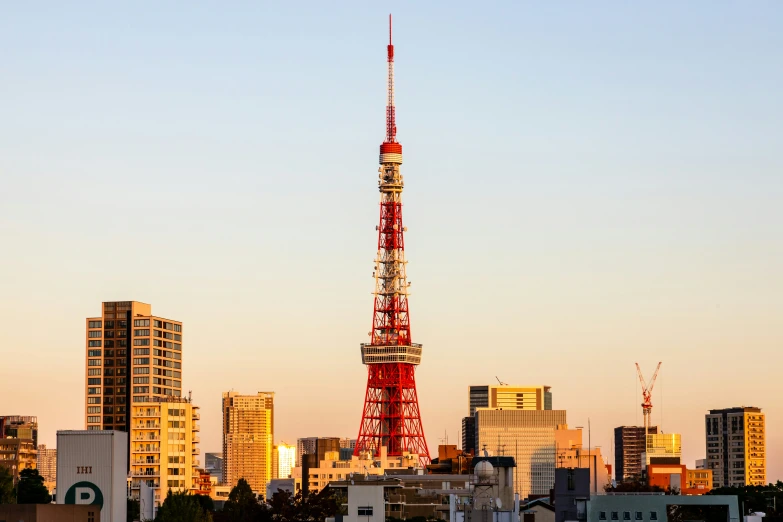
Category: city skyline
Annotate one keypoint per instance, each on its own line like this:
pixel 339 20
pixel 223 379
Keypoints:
pixel 621 198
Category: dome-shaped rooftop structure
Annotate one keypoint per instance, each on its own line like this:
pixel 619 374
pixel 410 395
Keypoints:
pixel 484 471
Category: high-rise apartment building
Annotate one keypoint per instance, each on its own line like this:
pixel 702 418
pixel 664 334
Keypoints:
pixel 132 357
pixel 18 443
pixel 629 444
pixel 286 460
pixel 248 433
pixel 47 465
pixel 736 447
pixel 164 446
pixel 526 435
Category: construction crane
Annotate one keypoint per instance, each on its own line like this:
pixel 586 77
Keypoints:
pixel 647 397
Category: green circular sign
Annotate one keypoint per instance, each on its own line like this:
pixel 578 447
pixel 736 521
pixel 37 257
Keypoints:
pixel 84 493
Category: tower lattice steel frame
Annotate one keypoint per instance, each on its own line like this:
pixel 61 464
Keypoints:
pixel 391 415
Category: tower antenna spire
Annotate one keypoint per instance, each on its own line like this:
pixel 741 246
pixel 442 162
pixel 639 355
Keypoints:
pixel 391 125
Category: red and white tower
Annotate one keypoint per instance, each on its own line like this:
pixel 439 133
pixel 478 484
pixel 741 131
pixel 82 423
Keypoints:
pixel 391 416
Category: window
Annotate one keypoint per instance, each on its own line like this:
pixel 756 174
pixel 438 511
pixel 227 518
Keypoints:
pixel 141 380
pixel 614 516
pixel 626 515
pixel 143 360
pixel 141 371
pixel 94 362
pixel 94 344
pixel 365 511
pixel 93 353
pixel 91 516
pixel 602 515
pixel 94 324
pixel 94 333
pixel 94 371
pixel 93 409
pixel 141 333
pixel 141 342
pixel 94 382
pixel 653 515
pixel 108 344
pixel 639 516
pixel 93 419
pixel 141 322
pixel 109 324
pixel 141 351
pixel 156 324
pixel 93 400
pixel 570 480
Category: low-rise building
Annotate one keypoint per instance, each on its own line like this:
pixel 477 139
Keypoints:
pixel 677 477
pixel 648 507
pixel 312 475
pixel 571 453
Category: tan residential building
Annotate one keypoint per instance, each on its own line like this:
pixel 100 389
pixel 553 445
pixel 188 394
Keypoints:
pixel 132 356
pixel 248 434
pixel 164 446
pixel 47 465
pixel 736 447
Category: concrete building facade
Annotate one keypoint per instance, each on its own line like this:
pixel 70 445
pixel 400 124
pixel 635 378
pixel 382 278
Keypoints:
pixel 286 460
pixel 248 435
pixel 132 356
pixel 526 435
pixel 736 447
pixel 508 397
pixel 164 447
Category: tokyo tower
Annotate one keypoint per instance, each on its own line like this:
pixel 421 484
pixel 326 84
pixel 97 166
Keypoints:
pixel 391 416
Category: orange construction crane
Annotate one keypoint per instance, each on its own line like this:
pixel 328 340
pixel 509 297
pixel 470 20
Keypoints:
pixel 647 397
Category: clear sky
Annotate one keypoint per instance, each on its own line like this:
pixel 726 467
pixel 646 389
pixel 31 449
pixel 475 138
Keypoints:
pixel 588 185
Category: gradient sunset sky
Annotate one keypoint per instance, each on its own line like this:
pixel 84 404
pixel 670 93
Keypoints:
pixel 588 185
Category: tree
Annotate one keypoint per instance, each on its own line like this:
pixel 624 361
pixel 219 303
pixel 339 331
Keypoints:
pixel 182 507
pixel 133 510
pixel 31 489
pixel 287 507
pixel 6 486
pixel 243 506
pixel 768 499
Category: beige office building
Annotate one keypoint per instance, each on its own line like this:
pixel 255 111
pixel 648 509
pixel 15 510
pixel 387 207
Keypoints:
pixel 570 452
pixel 132 357
pixel 164 446
pixel 526 435
pixel 248 434
pixel 736 447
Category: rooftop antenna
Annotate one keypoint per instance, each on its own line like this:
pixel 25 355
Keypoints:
pixel 501 382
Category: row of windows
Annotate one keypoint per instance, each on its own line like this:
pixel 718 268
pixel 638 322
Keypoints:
pixel 93 409
pixel 141 351
pixel 168 364
pixel 141 342
pixel 94 371
pixel 94 333
pixel 141 389
pixel 141 322
pixel 141 371
pixel 141 380
pixel 93 400
pixel 93 353
pixel 93 419
pixel 142 360
pixel 94 382
pixel 94 344
pixel 170 355
pixel 121 343
pixel 93 362
pixel 141 333
pixel 638 515
pixel 167 335
pixel 94 324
